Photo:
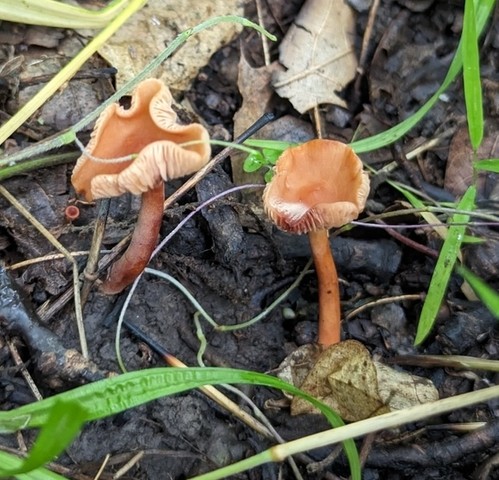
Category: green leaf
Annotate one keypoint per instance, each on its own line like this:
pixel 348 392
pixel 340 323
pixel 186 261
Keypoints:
pixel 271 155
pixel 489 165
pixel 63 423
pixel 445 265
pixel 471 75
pixel 253 162
pixel 113 395
pixel 488 296
pixel 268 176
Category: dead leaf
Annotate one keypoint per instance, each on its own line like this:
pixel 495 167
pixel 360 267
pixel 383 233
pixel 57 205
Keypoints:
pixel 254 87
pixel 402 390
pixel 297 365
pixel 459 170
pixel 151 29
pixel 318 54
pixel 344 378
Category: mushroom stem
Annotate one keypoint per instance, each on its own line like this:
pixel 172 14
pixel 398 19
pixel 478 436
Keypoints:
pixel 145 236
pixel 329 291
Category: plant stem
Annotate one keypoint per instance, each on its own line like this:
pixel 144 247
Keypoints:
pixel 329 290
pixel 144 239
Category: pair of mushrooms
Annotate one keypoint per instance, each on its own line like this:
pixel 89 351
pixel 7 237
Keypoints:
pixel 317 186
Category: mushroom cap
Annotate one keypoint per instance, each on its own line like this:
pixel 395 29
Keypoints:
pixel 317 185
pixel 147 129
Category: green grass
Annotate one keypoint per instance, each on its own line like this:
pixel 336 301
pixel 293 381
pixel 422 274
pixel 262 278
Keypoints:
pixel 61 417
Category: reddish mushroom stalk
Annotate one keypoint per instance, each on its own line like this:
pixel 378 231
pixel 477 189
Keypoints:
pixel 144 238
pixel 329 292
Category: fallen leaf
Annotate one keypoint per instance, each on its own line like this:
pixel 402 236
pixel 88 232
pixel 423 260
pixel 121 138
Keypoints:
pixel 297 365
pixel 459 170
pixel 318 54
pixel 401 390
pixel 151 29
pixel 254 87
pixel 344 378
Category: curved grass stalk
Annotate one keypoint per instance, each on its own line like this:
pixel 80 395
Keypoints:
pixel 230 328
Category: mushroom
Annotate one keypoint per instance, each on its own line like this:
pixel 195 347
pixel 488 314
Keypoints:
pixel 317 186
pixel 135 150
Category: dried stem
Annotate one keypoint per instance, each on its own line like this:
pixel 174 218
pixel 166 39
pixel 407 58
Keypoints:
pixel 329 290
pixel 144 239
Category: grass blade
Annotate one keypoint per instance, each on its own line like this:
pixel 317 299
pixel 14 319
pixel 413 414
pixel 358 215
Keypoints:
pixel 64 423
pixel 52 13
pixel 116 394
pixel 12 462
pixel 471 76
pixel 488 296
pixel 489 165
pixel 445 265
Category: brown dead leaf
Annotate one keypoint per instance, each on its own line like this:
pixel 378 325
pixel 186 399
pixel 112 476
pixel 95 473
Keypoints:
pixel 254 87
pixel 151 29
pixel 318 54
pixel 459 171
pixel 344 378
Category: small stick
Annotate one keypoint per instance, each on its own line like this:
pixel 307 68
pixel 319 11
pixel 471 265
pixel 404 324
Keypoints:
pixel 90 273
pixel 24 371
pixel 265 40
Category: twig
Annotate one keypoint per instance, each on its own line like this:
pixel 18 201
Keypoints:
pixel 128 465
pixel 265 43
pixel 48 258
pixel 24 371
pixel 381 301
pixel 90 274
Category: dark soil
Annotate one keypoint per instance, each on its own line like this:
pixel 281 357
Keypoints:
pixel 234 263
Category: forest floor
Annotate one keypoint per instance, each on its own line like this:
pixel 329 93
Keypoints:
pixel 235 263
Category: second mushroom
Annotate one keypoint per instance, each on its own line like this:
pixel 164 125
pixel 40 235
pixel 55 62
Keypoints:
pixel 317 186
pixel 135 150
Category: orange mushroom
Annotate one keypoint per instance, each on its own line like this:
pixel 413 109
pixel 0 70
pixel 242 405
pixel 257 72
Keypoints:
pixel 135 150
pixel 317 186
